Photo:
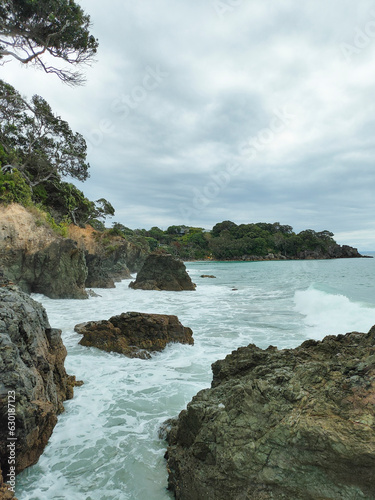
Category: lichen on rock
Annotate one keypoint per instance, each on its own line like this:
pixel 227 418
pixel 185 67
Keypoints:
pixel 289 424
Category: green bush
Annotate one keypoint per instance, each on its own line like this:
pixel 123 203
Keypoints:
pixel 13 189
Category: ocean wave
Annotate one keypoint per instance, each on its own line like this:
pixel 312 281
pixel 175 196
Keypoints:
pixel 332 314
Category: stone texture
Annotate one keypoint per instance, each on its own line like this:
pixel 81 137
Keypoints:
pixel 32 365
pixel 293 424
pixel 134 334
pixel 163 272
pixel 108 261
pixel 37 259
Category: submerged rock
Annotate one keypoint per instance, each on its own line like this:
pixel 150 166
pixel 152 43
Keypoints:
pixel 134 334
pixel 291 424
pixel 33 379
pixel 163 272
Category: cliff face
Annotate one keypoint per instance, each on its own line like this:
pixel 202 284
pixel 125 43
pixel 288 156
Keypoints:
pixel 294 424
pixel 40 261
pixel 37 259
pixel 107 262
pixel 31 370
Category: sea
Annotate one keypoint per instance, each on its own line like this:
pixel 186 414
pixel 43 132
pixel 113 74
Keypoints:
pixel 106 445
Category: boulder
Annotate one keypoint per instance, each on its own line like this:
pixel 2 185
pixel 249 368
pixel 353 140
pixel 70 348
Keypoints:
pixel 134 334
pixel 32 377
pixel 6 490
pixel 163 272
pixel 207 276
pixel 291 424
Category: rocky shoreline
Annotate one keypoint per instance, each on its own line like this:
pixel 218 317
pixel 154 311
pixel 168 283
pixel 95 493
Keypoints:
pixel 34 383
pixel 289 424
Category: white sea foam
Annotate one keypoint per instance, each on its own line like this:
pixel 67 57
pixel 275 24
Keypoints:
pixel 106 446
pixel 331 314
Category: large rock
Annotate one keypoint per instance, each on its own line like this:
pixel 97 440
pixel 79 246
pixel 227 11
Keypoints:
pixel 134 334
pixel 37 259
pixel 32 370
pixel 291 424
pixel 108 258
pixel 163 272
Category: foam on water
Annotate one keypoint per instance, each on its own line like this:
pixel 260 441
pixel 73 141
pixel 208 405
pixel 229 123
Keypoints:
pixel 331 314
pixel 106 446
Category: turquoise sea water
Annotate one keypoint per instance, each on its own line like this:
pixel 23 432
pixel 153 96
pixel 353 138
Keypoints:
pixel 106 446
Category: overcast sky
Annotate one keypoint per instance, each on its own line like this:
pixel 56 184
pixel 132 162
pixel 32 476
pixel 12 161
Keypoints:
pixel 199 111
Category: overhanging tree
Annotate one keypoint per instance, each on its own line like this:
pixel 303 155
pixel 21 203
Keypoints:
pixel 43 31
pixel 37 142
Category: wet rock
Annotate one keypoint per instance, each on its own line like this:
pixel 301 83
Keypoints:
pixel 163 272
pixel 134 334
pixel 207 276
pixel 289 424
pixel 31 370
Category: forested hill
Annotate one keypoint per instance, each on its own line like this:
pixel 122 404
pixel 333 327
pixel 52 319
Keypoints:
pixel 229 241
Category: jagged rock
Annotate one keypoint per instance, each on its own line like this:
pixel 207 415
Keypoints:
pixel 134 334
pixel 163 272
pixel 291 424
pixel 38 260
pixel 32 365
pixel 107 261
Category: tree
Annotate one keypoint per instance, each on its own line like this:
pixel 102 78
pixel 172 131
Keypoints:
pixel 41 145
pixel 30 30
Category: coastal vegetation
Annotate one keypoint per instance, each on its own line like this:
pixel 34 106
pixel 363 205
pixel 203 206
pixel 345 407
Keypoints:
pixel 229 241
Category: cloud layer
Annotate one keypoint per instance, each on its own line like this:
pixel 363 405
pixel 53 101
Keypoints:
pixel 196 112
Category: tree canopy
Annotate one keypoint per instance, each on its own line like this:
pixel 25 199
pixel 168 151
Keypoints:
pixel 37 142
pixel 32 30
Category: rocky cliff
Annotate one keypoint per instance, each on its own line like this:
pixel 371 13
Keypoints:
pixel 163 272
pixel 37 259
pixel 107 261
pixel 33 380
pixel 293 424
pixel 134 334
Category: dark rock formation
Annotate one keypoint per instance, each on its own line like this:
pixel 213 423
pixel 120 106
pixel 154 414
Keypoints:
pixel 334 251
pixel 108 259
pixel 163 272
pixel 32 369
pixel 291 424
pixel 207 276
pixel 37 259
pixel 134 334
pixel 57 271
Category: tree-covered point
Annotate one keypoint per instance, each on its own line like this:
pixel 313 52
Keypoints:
pixel 30 30
pixel 228 240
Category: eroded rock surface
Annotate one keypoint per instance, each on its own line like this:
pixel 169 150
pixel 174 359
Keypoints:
pixel 31 367
pixel 134 334
pixel 293 424
pixel 163 272
pixel 37 259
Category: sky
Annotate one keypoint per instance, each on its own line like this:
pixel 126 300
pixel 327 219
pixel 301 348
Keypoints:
pixel 199 111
